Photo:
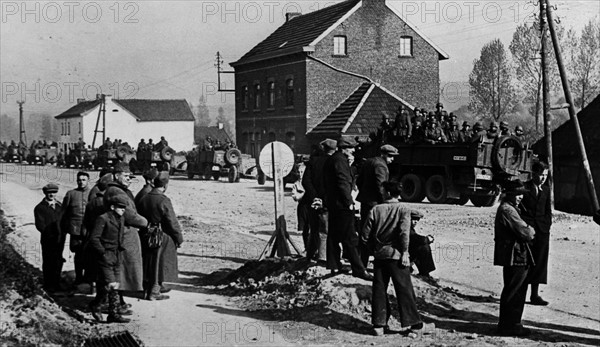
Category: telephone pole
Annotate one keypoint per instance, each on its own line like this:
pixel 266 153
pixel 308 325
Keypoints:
pixel 219 72
pixel 546 102
pixel 22 138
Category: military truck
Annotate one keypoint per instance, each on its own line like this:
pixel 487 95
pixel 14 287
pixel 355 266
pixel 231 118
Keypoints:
pixel 37 156
pixel 220 162
pixel 458 172
pixel 146 159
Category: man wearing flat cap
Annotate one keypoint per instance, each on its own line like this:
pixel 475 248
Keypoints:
pixel 160 264
pixel 149 175
pixel 107 241
pixel 131 267
pixel 338 200
pixel 314 191
pixel 47 216
pixel 418 247
pixel 512 241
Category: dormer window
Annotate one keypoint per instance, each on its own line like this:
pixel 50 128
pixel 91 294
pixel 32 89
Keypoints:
pixel 406 46
pixel 339 45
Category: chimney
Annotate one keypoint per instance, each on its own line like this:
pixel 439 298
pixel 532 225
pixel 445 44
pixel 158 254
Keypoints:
pixel 80 100
pixel 290 15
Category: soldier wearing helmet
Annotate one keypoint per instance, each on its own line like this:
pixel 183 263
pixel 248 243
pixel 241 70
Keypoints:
pixel 465 132
pixel 518 131
pixel 492 132
pixel 504 131
pixel 478 132
pixel 385 128
pixel 434 134
pixel 403 125
pixel 452 133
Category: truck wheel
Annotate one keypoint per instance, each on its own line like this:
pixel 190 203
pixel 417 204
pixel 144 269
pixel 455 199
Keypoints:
pixel 507 154
pixel 232 156
pixel 462 200
pixel 412 188
pixel 436 190
pixel 261 178
pixel 483 200
pixel 233 175
pixel 166 153
pixel 121 152
pixel 216 175
pixel 190 174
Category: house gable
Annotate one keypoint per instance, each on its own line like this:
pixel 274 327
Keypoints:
pixel 157 110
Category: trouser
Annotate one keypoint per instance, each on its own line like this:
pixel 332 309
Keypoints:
pixel 101 294
pixel 342 230
pixel 153 263
pixel 317 241
pixel 512 299
pixel 52 261
pixel 405 295
pixel 304 225
pixel 420 253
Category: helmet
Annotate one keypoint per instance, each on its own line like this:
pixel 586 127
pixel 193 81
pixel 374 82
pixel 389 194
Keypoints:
pixel 518 128
pixel 494 124
pixel 503 125
pixel 439 104
pixel 465 124
pixel 477 126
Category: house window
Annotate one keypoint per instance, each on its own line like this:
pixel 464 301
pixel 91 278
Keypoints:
pixel 69 128
pixel 79 127
pixel 257 96
pixel 289 92
pixel 339 45
pixel 244 97
pixel 406 46
pixel 271 94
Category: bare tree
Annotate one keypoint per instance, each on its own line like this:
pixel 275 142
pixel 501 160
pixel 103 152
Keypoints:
pixel 583 62
pixel 491 92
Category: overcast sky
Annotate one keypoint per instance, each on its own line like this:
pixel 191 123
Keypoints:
pixel 52 53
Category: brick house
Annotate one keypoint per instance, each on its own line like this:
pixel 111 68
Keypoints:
pixel 295 78
pixel 129 120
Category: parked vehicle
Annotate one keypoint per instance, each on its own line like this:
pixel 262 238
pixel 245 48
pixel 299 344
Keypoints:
pixel 16 155
pixel 217 163
pixel 37 156
pixel 457 172
pixel 144 160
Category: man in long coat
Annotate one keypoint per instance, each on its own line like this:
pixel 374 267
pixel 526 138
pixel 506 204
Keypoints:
pixel 149 175
pixel 512 238
pixel 314 186
pixel 160 264
pixel 131 275
pixel 47 221
pixel 537 212
pixel 73 205
pixel 339 202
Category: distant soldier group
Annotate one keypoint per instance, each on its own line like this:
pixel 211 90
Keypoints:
pixel 211 144
pixel 435 127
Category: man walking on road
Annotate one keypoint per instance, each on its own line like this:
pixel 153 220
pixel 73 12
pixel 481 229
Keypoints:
pixel 537 212
pixel 512 239
pixel 74 204
pixel 47 221
pixel 339 203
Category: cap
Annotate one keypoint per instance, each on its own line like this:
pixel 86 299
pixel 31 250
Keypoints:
pixel 104 181
pixel 162 179
pixel 122 167
pixel 328 144
pixel 50 188
pixel 515 187
pixel 118 201
pixel 150 174
pixel 389 150
pixel 346 142
pixel 414 214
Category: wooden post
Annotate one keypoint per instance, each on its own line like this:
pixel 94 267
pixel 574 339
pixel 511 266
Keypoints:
pixel 572 114
pixel 22 138
pixel 546 103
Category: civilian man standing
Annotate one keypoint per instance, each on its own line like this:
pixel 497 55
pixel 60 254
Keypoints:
pixel 512 237
pixel 339 203
pixel 160 264
pixel 314 186
pixel 47 221
pixel 73 205
pixel 537 212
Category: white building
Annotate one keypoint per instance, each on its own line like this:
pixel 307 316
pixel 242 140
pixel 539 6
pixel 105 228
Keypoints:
pixel 129 120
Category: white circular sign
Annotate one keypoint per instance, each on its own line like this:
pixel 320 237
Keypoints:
pixel 283 155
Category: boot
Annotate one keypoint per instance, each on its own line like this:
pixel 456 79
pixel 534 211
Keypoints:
pixel 154 294
pixel 113 309
pixel 95 310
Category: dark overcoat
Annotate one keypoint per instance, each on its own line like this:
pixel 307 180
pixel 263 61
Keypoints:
pixel 512 237
pixel 145 190
pixel 157 208
pixel 370 180
pixel 74 204
pixel 537 212
pixel 131 275
pixel 338 182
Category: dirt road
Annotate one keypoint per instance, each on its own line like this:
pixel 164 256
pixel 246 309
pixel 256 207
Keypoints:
pixel 227 224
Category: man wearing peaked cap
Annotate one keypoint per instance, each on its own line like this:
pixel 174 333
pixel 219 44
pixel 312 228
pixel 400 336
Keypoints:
pixel 328 144
pixel 160 264
pixel 346 142
pixel 47 221
pixel 512 242
pixel 418 247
